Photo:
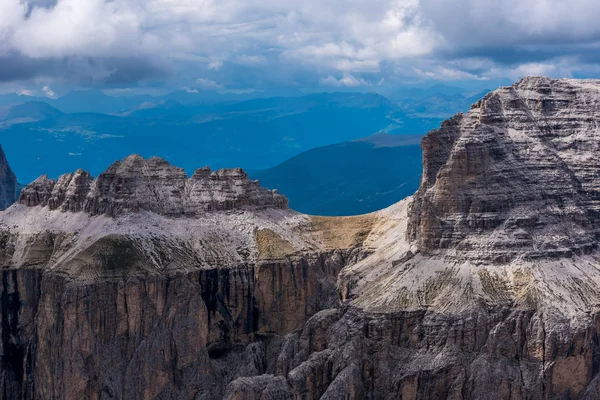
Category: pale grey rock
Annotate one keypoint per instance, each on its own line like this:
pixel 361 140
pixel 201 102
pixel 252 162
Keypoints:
pixel 263 387
pixel 516 176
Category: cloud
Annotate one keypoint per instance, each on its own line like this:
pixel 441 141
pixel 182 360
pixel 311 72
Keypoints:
pixel 257 43
pixel 346 81
pixel 204 83
pixel 215 65
pixel 250 60
pixel 513 22
pixel 48 92
pixel 449 74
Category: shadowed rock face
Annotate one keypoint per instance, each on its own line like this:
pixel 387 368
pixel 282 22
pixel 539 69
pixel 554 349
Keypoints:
pixel 484 285
pixel 8 183
pixel 152 185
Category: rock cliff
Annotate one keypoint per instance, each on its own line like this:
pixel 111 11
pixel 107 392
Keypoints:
pixel 8 183
pixel 143 283
pixel 516 176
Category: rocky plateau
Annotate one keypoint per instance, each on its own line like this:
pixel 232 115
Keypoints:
pixel 145 284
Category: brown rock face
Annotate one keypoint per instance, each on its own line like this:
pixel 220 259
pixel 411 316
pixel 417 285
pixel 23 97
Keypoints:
pixel 153 185
pixel 143 284
pixel 8 183
pixel 149 337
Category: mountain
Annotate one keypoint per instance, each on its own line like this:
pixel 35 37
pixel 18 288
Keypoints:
pixel 485 283
pixel 420 93
pixel 27 112
pixel 95 101
pixel 8 183
pixel 12 99
pixel 439 105
pixel 150 273
pixel 254 134
pixel 350 178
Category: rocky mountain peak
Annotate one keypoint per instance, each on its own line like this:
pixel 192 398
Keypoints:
pixel 153 184
pixel 516 176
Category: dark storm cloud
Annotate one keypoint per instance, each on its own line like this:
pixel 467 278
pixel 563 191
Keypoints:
pixel 32 4
pixel 18 68
pixel 82 70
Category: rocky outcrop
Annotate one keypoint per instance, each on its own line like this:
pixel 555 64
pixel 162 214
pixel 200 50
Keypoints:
pixel 491 288
pixel 154 185
pixel 147 303
pixel 8 183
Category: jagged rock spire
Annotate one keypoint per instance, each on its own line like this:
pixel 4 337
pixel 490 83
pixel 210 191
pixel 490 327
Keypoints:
pixel 154 185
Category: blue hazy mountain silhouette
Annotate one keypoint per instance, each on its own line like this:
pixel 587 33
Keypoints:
pixel 349 178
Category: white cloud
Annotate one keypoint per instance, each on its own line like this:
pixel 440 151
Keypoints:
pixel 215 65
pixel 345 81
pixel 448 74
pixel 204 83
pixel 533 69
pixel 357 39
pixel 250 60
pixel 510 22
pixel 48 92
pixel 77 27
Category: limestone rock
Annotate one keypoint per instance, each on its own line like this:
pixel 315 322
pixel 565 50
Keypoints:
pixel 516 176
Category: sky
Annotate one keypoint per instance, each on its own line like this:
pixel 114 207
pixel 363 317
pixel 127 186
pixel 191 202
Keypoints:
pixel 50 46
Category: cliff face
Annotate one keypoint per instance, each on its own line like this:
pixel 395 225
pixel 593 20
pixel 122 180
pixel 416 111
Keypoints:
pixel 514 177
pixel 485 284
pixel 491 288
pixel 8 183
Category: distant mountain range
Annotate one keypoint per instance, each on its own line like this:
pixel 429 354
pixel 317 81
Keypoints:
pixel 253 134
pixel 290 142
pixel 349 178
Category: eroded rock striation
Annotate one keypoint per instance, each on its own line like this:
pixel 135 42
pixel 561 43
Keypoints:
pixel 516 176
pixel 143 283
